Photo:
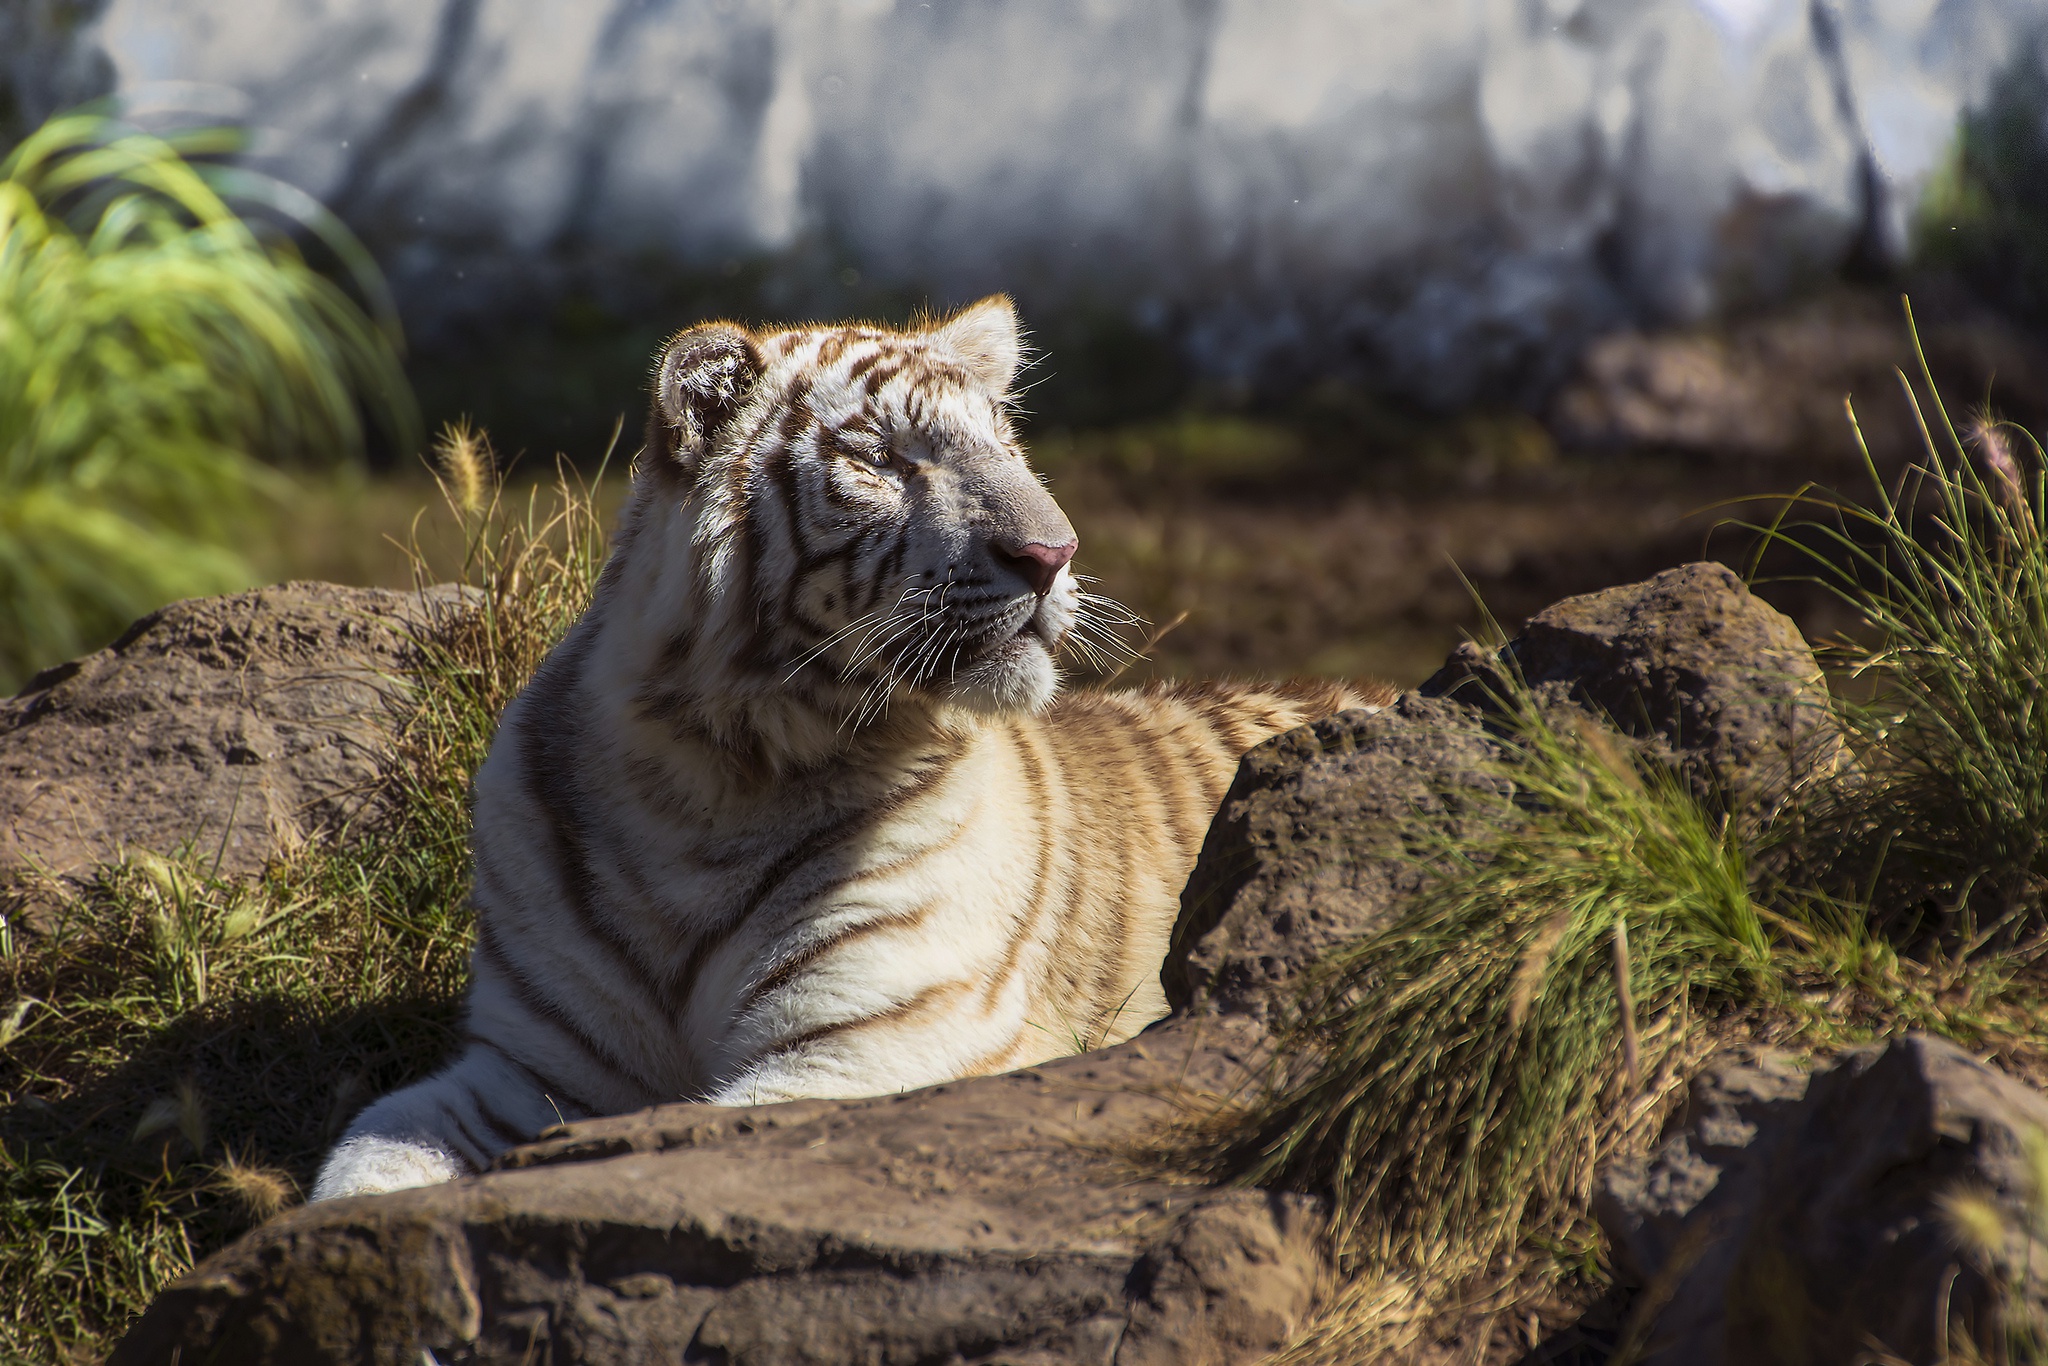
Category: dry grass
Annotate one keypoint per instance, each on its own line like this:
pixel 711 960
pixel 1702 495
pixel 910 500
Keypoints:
pixel 179 1049
pixel 1451 1083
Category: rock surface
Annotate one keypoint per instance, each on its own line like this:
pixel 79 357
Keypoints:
pixel 1690 659
pixel 984 1221
pixel 999 1219
pixel 1317 842
pixel 1794 1220
pixel 1771 388
pixel 228 724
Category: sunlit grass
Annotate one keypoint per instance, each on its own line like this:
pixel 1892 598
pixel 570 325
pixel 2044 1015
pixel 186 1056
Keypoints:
pixel 1452 1082
pixel 160 354
pixel 177 1048
pixel 1947 567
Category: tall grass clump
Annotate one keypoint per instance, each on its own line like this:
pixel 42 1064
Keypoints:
pixel 1451 1081
pixel 177 1048
pixel 1947 568
pixel 159 353
pixel 1459 1073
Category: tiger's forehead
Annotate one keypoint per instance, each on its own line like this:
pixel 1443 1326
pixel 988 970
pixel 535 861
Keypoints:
pixel 849 374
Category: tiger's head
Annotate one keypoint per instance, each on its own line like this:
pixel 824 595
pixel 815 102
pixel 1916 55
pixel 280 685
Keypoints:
pixel 857 522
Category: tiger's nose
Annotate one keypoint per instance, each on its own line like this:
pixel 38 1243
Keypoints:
pixel 1038 563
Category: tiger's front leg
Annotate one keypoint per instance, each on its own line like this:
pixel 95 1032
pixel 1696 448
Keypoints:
pixel 452 1124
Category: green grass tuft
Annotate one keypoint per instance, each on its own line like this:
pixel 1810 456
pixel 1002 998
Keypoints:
pixel 1947 568
pixel 1470 1064
pixel 1452 1082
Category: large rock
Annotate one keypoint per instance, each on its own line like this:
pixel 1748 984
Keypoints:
pixel 226 724
pixel 984 1221
pixel 1326 829
pixel 1690 660
pixel 1324 832
pixel 1807 1223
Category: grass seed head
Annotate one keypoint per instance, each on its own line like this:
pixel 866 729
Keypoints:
pixel 465 467
pixel 1975 1221
pixel 259 1191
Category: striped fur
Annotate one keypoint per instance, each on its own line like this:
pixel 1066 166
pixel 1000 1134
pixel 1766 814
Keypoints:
pixel 794 809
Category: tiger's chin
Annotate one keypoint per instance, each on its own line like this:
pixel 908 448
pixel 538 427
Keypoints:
pixel 1016 676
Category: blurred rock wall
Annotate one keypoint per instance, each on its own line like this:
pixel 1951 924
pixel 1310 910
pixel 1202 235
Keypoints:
pixel 1442 197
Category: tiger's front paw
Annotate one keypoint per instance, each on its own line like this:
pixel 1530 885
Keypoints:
pixel 372 1165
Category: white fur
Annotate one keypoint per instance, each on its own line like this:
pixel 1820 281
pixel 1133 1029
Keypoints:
pixel 374 1164
pixel 843 871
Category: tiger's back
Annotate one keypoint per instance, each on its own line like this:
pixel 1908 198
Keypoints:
pixel 796 809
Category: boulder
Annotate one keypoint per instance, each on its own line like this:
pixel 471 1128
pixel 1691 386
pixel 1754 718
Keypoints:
pixel 1322 834
pixel 999 1219
pixel 224 724
pixel 1788 1218
pixel 1770 386
pixel 1326 829
pixel 1689 659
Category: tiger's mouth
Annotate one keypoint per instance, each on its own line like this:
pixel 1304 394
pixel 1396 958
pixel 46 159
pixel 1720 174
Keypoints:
pixel 1008 664
pixel 1028 619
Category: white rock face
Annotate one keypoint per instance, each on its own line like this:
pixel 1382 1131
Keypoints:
pixel 1442 195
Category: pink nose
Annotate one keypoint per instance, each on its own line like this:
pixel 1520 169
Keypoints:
pixel 1036 562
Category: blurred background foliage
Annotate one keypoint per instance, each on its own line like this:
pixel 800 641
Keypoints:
pixel 163 356
pixel 1985 214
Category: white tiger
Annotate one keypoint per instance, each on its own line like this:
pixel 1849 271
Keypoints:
pixel 793 810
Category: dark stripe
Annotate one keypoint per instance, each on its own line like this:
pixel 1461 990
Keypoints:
pixel 545 1088
pixel 549 764
pixel 1041 809
pixel 1166 774
pixel 510 1134
pixel 856 372
pixel 479 1151
pixel 894 1014
pixel 787 970
pixel 796 414
pixel 543 1007
pixel 876 379
pixel 889 570
pixel 811 848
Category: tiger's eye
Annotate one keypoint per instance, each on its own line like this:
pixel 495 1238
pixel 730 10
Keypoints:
pixel 864 447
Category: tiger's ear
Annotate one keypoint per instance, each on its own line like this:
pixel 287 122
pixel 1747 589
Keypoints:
pixel 985 336
pixel 701 379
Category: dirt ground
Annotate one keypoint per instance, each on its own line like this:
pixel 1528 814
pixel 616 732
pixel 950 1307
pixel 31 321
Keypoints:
pixel 1359 578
